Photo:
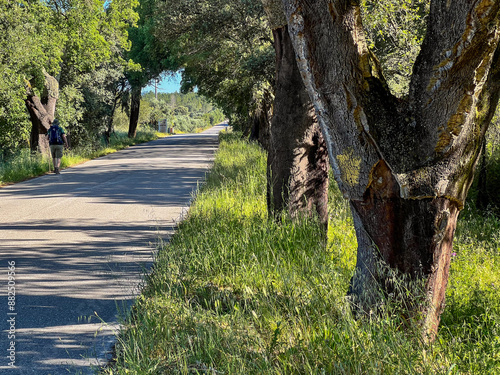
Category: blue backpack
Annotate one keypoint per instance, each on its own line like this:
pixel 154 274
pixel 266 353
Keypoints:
pixel 55 135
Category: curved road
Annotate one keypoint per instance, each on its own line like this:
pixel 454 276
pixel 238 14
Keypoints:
pixel 81 242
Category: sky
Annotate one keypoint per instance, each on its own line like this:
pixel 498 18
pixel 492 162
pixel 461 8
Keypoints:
pixel 167 84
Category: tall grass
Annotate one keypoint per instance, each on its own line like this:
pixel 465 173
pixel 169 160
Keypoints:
pixel 25 165
pixel 22 166
pixel 236 293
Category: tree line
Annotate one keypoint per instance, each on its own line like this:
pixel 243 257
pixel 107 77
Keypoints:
pixel 395 97
pixel 75 60
pixel 184 112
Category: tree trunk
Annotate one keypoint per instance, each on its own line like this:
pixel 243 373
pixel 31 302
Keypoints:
pixel 42 111
pixel 482 199
pixel 297 158
pixel 135 105
pixel 402 244
pixel 109 127
pixel 260 124
pixel 405 165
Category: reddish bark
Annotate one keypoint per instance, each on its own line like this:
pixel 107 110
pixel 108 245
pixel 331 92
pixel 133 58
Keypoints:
pixel 297 158
pixel 414 237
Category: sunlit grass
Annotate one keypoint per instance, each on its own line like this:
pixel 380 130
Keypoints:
pixel 236 293
pixel 23 166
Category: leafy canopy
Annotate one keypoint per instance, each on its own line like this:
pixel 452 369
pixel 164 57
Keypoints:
pixel 396 29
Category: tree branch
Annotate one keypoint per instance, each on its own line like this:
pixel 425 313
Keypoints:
pixel 37 109
pixel 451 72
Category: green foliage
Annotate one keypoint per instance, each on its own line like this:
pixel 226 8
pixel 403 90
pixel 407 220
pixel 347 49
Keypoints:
pixel 79 41
pixel 97 33
pixel 181 110
pixel 224 48
pixel 233 292
pixel 471 320
pixel 14 124
pixel 94 65
pixel 395 30
pixel 100 90
pixel 187 113
pixel 70 112
pixel 27 47
pixel 145 49
pixel 23 165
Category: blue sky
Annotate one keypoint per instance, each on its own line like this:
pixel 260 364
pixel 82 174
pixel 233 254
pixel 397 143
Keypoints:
pixel 167 85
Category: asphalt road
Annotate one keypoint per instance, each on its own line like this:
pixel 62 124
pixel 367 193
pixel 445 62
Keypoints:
pixel 80 243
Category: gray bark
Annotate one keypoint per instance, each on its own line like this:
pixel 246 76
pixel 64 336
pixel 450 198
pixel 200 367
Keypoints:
pixel 297 156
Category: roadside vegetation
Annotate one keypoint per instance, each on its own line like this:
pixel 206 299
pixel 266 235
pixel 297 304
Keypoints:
pixel 186 113
pixel 236 293
pixel 24 164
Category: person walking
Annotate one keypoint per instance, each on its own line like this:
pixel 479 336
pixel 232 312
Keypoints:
pixel 57 141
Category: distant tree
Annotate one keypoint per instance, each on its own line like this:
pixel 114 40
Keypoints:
pixel 406 165
pixel 180 110
pixel 224 50
pixel 102 90
pixel 149 54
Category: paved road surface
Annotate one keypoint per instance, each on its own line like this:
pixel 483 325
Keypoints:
pixel 80 242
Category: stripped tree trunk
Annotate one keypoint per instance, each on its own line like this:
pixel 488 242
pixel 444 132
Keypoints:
pixel 405 165
pixel 42 111
pixel 297 157
pixel 135 106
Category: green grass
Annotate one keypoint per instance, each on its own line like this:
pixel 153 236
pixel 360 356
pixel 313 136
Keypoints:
pixel 236 293
pixel 25 165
